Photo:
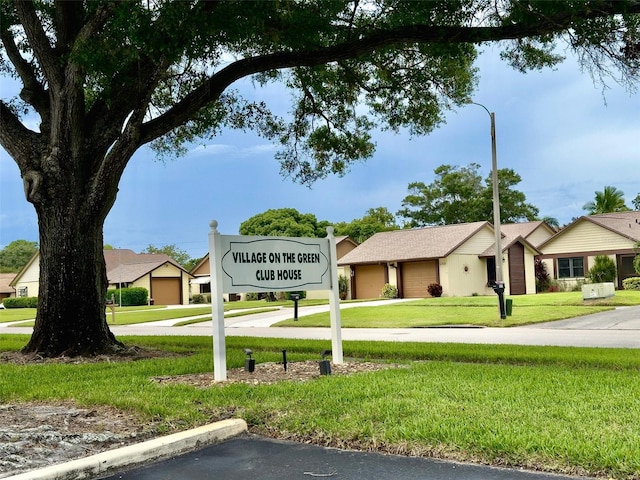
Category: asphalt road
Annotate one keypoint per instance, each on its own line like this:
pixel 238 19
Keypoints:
pixel 247 457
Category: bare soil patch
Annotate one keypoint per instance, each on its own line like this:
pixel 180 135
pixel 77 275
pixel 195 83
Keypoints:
pixel 272 372
pixel 35 435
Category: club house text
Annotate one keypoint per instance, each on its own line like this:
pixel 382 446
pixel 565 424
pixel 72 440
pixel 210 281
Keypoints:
pixel 271 258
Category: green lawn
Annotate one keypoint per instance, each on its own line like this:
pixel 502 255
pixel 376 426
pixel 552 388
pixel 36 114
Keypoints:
pixel 144 313
pixel 480 311
pixel 570 410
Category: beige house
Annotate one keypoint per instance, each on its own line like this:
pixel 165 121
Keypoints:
pixel 201 272
pixel 166 281
pixel 459 257
pixel 570 253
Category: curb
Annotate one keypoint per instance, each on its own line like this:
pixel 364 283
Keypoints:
pixel 132 455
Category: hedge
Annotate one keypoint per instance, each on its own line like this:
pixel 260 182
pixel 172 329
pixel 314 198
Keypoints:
pixel 20 302
pixel 631 283
pixel 129 296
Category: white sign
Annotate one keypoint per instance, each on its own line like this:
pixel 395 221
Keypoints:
pixel 251 264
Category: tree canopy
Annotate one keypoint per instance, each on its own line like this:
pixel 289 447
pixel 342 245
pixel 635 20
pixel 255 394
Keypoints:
pixel 284 222
pixel 105 78
pixel 610 199
pixel 375 220
pixel 179 255
pixel 459 195
pixel 16 255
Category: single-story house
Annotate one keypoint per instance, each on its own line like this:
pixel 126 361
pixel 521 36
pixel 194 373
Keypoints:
pixel 570 253
pixel 6 290
pixel 459 257
pixel 201 272
pixel 166 281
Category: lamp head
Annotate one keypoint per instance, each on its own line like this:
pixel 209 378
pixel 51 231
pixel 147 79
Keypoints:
pixel 248 352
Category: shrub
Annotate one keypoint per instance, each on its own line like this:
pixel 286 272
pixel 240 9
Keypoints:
pixel 251 296
pixel 631 283
pixel 129 296
pixel 343 286
pixel 636 264
pixel 603 270
pixel 389 291
pixel 577 287
pixel 435 290
pixel 198 298
pixel 543 280
pixel 20 302
pixel 301 295
pixel 554 286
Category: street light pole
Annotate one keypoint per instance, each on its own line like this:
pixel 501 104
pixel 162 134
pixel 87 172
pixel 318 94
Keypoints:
pixel 498 287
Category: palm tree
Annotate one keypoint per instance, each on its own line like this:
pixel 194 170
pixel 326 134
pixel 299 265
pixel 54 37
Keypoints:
pixel 552 222
pixel 609 200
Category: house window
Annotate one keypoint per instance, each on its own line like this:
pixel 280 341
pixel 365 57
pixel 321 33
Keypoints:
pixel 571 267
pixel 626 267
pixel 491 271
pixel 23 292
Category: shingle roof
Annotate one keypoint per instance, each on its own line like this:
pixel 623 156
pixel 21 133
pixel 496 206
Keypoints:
pixel 132 272
pixel 415 244
pixel 522 229
pixel 126 266
pixel 5 281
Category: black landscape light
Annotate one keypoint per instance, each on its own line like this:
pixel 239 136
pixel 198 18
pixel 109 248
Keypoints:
pixel 325 366
pixel 284 359
pixel 249 363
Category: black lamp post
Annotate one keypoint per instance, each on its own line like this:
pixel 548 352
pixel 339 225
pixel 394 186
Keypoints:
pixel 498 286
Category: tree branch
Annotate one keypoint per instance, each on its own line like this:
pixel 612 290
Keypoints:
pixel 365 44
pixel 19 142
pixel 69 17
pixel 33 91
pixel 103 13
pixel 46 55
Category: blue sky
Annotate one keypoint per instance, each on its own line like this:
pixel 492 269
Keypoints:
pixel 564 135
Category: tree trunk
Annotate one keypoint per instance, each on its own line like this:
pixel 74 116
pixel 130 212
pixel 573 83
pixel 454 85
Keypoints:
pixel 71 318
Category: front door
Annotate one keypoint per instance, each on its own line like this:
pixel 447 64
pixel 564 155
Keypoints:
pixel 517 278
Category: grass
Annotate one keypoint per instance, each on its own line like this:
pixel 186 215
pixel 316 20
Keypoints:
pixel 570 410
pixel 429 312
pixel 153 313
pixel 480 311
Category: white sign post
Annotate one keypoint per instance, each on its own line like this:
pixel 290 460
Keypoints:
pixel 266 264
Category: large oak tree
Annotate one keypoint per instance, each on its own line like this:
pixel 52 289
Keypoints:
pixel 105 78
